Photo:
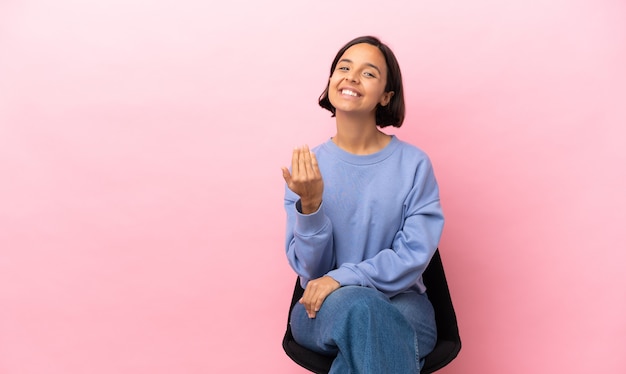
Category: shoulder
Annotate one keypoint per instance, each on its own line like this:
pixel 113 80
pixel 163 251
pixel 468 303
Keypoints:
pixel 322 147
pixel 411 151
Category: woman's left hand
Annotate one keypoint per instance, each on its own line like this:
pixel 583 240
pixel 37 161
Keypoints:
pixel 316 292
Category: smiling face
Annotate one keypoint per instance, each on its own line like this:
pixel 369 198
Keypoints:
pixel 357 85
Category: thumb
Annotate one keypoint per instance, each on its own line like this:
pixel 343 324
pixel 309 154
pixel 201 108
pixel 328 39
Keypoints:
pixel 286 175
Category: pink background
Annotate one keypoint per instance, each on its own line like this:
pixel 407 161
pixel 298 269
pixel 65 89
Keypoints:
pixel 141 218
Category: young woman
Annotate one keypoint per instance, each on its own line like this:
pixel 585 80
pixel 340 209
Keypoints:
pixel 363 221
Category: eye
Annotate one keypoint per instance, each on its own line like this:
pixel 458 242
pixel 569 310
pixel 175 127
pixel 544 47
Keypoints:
pixel 369 75
pixel 343 68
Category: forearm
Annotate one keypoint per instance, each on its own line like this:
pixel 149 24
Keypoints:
pixel 309 242
pixel 393 270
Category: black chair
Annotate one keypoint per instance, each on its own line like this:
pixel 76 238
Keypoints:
pixel 448 339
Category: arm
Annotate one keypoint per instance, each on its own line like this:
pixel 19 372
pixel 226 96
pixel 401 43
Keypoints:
pixel 395 269
pixel 309 231
pixel 310 254
pixel 309 241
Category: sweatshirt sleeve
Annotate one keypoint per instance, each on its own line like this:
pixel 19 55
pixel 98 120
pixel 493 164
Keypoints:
pixel 309 240
pixel 400 267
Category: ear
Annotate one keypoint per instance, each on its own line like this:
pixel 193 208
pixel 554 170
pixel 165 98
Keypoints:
pixel 386 98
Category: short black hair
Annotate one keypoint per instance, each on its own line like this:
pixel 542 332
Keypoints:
pixel 393 113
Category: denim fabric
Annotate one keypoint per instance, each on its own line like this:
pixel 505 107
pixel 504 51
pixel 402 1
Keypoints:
pixel 369 333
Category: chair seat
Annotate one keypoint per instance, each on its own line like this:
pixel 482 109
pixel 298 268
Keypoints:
pixel 444 352
pixel 308 359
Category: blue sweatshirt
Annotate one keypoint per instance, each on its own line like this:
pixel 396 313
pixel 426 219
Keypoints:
pixel 379 223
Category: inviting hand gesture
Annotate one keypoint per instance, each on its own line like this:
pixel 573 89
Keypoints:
pixel 305 179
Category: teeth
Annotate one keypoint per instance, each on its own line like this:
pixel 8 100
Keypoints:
pixel 349 92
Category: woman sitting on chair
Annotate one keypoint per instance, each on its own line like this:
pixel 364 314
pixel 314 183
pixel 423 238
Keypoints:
pixel 363 221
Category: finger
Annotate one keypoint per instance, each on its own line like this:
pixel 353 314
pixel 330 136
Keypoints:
pixel 302 161
pixel 318 304
pixel 302 301
pixel 306 153
pixel 318 300
pixel 307 302
pixel 309 311
pixel 295 164
pixel 315 166
pixel 286 175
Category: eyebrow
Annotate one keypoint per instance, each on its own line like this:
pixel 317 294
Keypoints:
pixel 367 63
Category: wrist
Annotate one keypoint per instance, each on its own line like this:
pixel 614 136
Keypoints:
pixel 309 207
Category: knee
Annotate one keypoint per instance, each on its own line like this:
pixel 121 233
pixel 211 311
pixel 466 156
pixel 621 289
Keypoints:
pixel 357 298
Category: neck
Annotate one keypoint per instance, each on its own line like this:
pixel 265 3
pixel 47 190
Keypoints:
pixel 359 135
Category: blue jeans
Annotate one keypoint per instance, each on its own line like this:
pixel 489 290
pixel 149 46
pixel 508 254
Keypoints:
pixel 369 332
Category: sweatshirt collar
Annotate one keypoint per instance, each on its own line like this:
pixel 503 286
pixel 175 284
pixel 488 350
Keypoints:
pixel 362 159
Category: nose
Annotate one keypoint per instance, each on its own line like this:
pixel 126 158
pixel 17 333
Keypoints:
pixel 352 76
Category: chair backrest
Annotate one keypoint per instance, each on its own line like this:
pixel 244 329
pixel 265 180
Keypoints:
pixel 448 339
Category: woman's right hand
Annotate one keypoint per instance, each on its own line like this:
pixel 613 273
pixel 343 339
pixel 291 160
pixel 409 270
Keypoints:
pixel 316 291
pixel 305 179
